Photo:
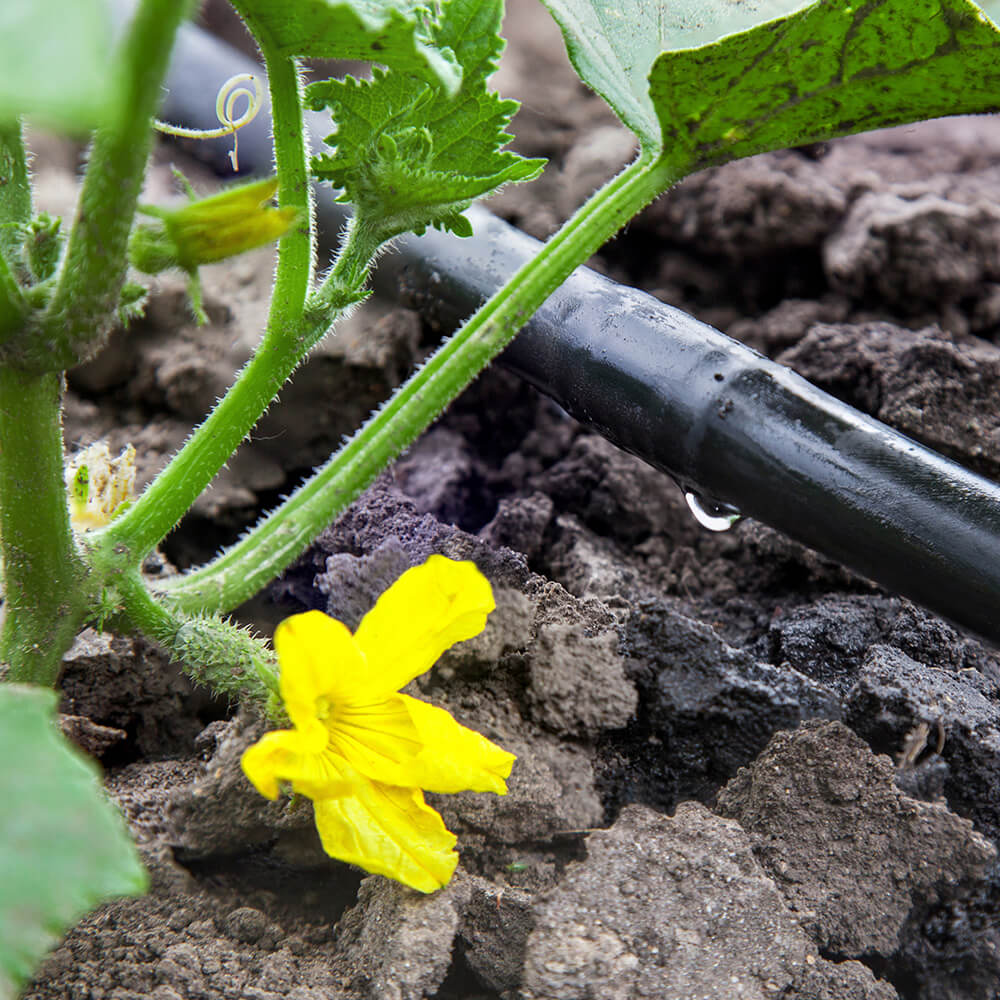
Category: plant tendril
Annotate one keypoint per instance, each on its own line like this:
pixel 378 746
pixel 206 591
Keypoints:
pixel 225 104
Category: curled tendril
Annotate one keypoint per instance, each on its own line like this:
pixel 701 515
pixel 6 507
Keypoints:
pixel 230 92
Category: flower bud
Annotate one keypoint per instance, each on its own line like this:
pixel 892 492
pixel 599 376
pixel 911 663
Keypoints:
pixel 210 229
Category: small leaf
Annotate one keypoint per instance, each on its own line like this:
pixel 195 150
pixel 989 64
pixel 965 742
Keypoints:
pixel 131 303
pixel 411 155
pixel 55 57
pixel 831 69
pixel 63 846
pixel 393 33
pixel 613 46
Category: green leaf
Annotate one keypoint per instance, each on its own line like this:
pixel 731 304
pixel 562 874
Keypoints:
pixel 54 57
pixel 63 846
pixel 395 33
pixel 831 69
pixel 706 81
pixel 613 46
pixel 408 154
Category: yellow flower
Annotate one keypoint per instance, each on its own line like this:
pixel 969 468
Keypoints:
pixel 363 752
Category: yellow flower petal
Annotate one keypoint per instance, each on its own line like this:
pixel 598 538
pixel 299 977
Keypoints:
pixel 403 741
pixel 454 758
pixel 289 755
pixel 320 666
pixel 429 608
pixel 389 831
pixel 379 740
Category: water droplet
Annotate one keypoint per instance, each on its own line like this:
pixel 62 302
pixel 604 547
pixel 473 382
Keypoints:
pixel 715 517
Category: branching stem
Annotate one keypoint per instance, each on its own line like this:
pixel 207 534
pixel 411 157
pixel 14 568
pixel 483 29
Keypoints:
pixel 176 488
pixel 284 344
pixel 282 536
pixel 224 657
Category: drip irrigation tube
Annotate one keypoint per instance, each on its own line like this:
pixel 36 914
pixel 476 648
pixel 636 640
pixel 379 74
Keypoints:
pixel 730 426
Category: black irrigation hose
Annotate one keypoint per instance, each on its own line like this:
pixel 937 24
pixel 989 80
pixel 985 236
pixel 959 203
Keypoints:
pixel 723 421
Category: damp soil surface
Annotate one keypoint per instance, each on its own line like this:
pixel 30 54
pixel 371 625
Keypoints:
pixel 743 771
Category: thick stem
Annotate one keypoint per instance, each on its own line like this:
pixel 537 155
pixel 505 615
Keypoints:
pixel 45 602
pixel 82 310
pixel 281 537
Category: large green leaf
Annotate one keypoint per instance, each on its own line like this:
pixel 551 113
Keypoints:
pixel 54 59
pixel 779 72
pixel 63 846
pixel 395 33
pixel 613 45
pixel 831 69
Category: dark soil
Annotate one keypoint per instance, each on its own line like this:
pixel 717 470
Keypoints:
pixel 743 771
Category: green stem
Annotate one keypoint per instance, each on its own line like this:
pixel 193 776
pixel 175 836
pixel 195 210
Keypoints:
pixel 138 612
pixel 15 189
pixel 45 601
pixel 82 310
pixel 15 213
pixel 282 536
pixel 13 307
pixel 286 341
pixel 129 538
pixel 294 272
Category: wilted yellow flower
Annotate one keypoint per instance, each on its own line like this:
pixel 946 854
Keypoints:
pixel 363 752
pixel 98 484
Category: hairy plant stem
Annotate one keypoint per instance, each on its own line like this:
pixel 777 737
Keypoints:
pixel 49 592
pixel 280 537
pixel 15 188
pixel 83 308
pixel 15 212
pixel 295 249
pixel 289 336
pixel 43 574
pixel 128 539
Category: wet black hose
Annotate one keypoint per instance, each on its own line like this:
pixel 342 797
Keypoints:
pixel 732 426
pixel 729 425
